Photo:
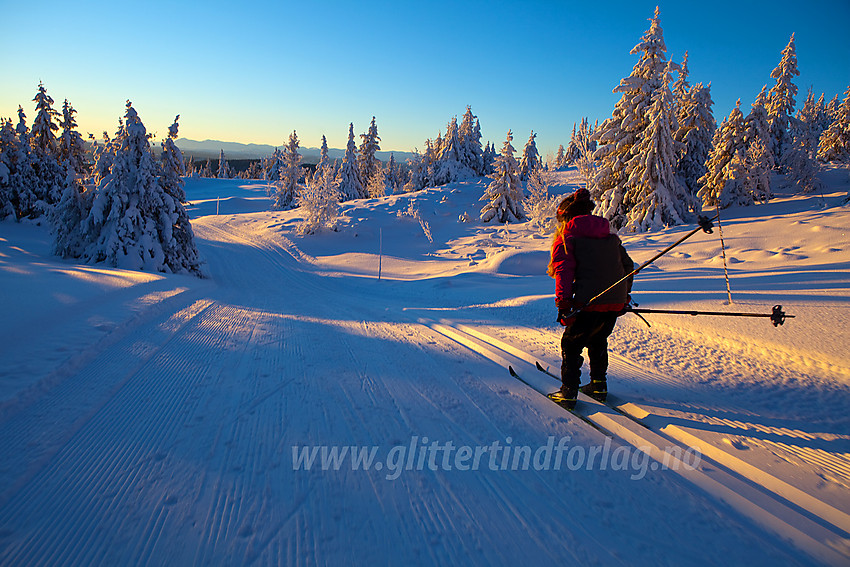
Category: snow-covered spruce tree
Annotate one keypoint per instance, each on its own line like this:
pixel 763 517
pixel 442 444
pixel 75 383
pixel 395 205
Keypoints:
pixel 681 89
pixel 835 141
pixel 780 101
pixel 17 194
pixel 617 136
pixel 489 158
pixel 801 168
pixel 696 130
pixel 471 152
pixel 173 166
pixel 318 201
pixel 367 160
pixel 348 179
pixel 757 127
pixel 659 198
pixel 50 175
pixel 324 159
pixel 504 194
pixel 8 141
pixel 290 173
pixel 540 205
pixel 223 167
pixel 530 159
pixel 132 219
pixel 451 164
pixel 728 142
pixel 72 147
pixel 560 156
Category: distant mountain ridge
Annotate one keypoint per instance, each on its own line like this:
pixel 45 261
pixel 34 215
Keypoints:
pixel 209 149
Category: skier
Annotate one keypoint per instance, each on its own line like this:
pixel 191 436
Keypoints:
pixel 587 257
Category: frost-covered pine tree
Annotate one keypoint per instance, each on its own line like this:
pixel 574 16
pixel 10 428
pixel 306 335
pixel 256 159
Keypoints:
pixel 696 130
pixel 318 202
pixel 504 194
pixel 780 100
pixel 451 164
pixel 348 179
pixel 728 144
pixel 18 179
pixel 223 167
pixel 290 173
pixel 132 220
pixel 835 141
pixel 367 159
pixel 659 198
pixel 617 136
pixel 530 159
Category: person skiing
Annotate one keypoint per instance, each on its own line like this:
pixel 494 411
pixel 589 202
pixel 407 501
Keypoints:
pixel 587 258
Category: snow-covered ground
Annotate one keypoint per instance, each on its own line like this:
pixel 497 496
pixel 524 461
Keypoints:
pixel 153 419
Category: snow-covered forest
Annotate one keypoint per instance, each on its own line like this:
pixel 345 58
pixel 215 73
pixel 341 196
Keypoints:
pixel 307 364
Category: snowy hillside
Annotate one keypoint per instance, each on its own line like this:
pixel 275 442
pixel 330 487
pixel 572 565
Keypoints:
pixel 343 398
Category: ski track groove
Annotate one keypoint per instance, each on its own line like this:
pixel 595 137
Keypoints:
pixel 110 480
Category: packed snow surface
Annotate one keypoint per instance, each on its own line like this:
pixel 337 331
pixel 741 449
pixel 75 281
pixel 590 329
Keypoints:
pixel 307 404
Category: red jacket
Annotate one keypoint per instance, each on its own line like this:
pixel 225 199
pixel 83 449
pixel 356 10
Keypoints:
pixel 586 259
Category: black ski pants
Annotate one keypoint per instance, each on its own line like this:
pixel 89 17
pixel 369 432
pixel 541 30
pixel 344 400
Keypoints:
pixel 590 330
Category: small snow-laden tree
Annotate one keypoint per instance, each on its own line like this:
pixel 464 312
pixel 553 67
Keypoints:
pixel 530 159
pixel 809 124
pixel 377 186
pixel 834 143
pixel 489 158
pixel 758 169
pixel 832 109
pixel 393 176
pixel 349 180
pixel 560 157
pixel 223 171
pixel 728 140
pixel 290 174
pixel 367 159
pixel 72 147
pixel 318 201
pixel 504 194
pixel 173 166
pixel 659 198
pixel 695 133
pixel 585 148
pixel 132 219
pixel 780 100
pixel 801 170
pixel 324 160
pixel 69 240
pixel 540 205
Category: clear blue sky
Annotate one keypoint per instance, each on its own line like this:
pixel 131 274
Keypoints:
pixel 254 71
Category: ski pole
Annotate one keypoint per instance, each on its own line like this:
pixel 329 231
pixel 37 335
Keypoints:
pixel 704 225
pixel 777 316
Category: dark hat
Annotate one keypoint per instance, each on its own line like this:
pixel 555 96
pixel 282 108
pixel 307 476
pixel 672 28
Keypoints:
pixel 577 203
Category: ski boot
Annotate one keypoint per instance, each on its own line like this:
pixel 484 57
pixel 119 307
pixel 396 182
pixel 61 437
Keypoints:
pixel 596 389
pixel 565 397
